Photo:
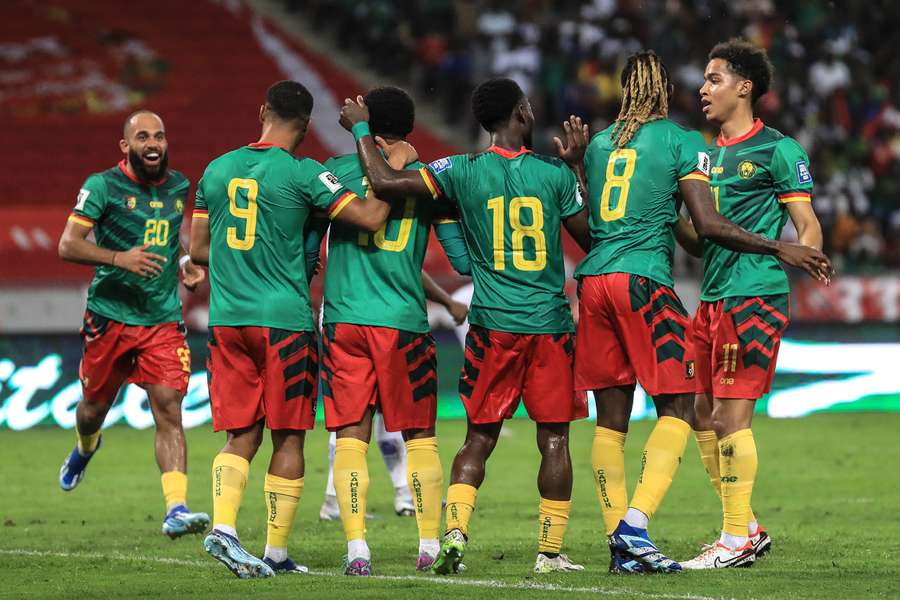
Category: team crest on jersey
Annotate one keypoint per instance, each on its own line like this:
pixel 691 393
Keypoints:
pixel 441 164
pixel 803 175
pixel 330 181
pixel 703 163
pixel 179 205
pixel 746 169
pixel 131 202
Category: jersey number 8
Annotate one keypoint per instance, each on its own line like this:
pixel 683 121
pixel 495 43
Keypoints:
pixel 621 182
pixel 248 215
pixel 535 231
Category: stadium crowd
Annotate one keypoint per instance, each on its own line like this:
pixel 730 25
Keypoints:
pixel 837 85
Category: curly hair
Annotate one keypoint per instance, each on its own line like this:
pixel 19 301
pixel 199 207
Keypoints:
pixel 290 100
pixel 645 94
pixel 391 111
pixel 494 100
pixel 748 61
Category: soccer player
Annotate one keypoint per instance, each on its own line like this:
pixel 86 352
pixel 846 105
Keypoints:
pixel 251 209
pixel 377 348
pixel 632 324
pixel 760 178
pixel 520 344
pixel 132 326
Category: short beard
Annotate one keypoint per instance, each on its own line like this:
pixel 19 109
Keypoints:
pixel 145 174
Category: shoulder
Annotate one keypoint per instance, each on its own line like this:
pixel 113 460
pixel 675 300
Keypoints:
pixel 100 180
pixel 602 138
pixel 553 162
pixel 343 165
pixel 178 179
pixel 453 161
pixel 788 145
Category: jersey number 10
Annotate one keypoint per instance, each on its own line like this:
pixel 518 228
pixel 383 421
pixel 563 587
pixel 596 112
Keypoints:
pixel 380 236
pixel 622 182
pixel 535 232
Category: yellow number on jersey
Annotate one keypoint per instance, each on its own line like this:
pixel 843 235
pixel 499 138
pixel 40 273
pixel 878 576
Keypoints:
pixel 380 237
pixel 248 215
pixel 534 231
pixel 621 182
pixel 156 232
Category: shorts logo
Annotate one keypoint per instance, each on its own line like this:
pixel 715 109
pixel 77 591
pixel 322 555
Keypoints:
pixel 746 169
pixel 82 198
pixel 441 164
pixel 330 181
pixel 131 202
pixel 803 175
pixel 689 369
pixel 703 163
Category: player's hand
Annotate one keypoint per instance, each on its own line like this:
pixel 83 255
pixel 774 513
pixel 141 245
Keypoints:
pixel 353 112
pixel 813 261
pixel 577 138
pixel 139 261
pixel 458 311
pixel 192 276
pixel 399 153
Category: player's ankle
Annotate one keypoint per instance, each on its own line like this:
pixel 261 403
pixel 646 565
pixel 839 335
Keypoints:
pixel 226 529
pixel 636 519
pixel 276 554
pixel 358 549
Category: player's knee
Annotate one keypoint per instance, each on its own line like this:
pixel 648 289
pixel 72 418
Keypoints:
pixel 167 411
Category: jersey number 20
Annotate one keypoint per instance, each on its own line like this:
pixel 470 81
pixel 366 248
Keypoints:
pixel 622 182
pixel 535 231
pixel 248 214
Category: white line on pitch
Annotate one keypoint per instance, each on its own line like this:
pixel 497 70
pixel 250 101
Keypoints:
pixel 478 583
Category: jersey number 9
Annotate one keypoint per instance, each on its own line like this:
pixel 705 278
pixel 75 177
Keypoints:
pixel 248 214
pixel 535 232
pixel 621 182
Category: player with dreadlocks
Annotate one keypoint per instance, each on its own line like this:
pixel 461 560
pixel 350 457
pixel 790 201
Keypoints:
pixel 632 324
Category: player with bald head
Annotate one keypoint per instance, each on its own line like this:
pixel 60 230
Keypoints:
pixel 133 329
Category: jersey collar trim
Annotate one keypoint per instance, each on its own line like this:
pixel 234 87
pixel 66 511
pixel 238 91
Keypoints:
pixel 265 145
pixel 508 153
pixel 123 166
pixel 757 127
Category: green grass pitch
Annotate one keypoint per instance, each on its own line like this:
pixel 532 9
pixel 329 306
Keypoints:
pixel 827 490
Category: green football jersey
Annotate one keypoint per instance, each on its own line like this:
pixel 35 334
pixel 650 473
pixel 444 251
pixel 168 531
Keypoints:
pixel 376 279
pixel 258 199
pixel 511 206
pixel 753 177
pixel 632 198
pixel 125 213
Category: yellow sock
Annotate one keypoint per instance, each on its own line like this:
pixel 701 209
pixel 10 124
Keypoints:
pixel 282 499
pixel 351 482
pixel 552 520
pixel 737 464
pixel 708 444
pixel 87 442
pixel 460 506
pixel 229 480
pixel 662 455
pixel 426 481
pixel 174 486
pixel 608 460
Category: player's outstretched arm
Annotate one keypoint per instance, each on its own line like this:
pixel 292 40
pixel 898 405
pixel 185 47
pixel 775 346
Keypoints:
pixel 75 247
pixel 436 293
pixel 386 181
pixel 713 226
pixel 200 239
pixel 687 237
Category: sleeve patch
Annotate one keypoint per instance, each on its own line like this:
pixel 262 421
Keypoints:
pixel 82 198
pixel 330 181
pixel 441 164
pixel 803 175
pixel 578 199
pixel 703 163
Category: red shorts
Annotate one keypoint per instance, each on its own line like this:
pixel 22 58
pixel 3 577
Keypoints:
pixel 736 343
pixel 143 354
pixel 260 373
pixel 631 328
pixel 501 368
pixel 365 366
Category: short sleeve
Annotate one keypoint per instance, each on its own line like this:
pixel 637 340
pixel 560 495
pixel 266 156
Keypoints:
pixel 323 189
pixel 791 177
pixel 91 202
pixel 439 175
pixel 692 157
pixel 201 209
pixel 570 200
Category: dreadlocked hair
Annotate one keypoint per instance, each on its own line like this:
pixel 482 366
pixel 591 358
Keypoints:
pixel 645 83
